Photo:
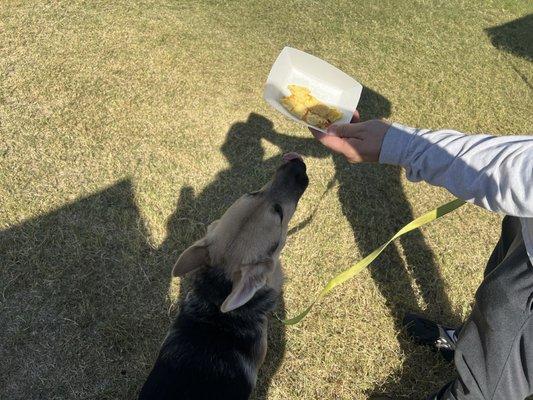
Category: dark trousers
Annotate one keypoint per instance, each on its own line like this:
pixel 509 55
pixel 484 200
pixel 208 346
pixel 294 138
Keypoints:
pixel 494 356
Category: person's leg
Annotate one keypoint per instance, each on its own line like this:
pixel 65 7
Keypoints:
pixel 511 228
pixel 511 382
pixel 494 351
pixel 443 338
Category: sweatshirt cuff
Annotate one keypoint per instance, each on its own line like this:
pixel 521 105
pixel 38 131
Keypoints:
pixel 396 143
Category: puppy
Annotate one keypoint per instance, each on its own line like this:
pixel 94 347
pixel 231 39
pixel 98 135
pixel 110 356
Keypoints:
pixel 218 341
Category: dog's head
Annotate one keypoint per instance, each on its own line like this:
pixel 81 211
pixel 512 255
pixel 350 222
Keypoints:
pixel 247 239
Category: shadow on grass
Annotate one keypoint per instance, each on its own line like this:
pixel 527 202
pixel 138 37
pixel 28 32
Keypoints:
pixel 84 294
pixel 375 205
pixel 514 37
pixel 81 301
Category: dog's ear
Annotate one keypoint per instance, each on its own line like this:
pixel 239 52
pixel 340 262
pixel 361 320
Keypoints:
pixel 248 281
pixel 194 257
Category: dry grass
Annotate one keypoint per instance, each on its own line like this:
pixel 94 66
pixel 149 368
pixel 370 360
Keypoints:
pixel 127 126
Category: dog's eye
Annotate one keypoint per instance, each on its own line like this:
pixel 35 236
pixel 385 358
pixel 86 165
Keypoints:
pixel 278 210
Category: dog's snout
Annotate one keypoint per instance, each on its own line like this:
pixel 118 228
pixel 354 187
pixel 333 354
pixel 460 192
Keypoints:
pixel 290 180
pixel 297 169
pixel 297 164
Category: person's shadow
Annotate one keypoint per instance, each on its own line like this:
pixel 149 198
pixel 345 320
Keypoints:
pixel 82 300
pixel 376 206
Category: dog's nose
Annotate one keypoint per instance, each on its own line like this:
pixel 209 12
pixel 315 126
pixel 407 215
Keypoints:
pixel 292 156
pixel 294 164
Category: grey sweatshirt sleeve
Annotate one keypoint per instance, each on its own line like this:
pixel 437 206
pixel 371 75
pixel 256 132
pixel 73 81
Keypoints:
pixel 494 172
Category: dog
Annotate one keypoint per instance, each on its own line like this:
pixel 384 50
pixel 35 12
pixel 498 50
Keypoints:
pixel 218 341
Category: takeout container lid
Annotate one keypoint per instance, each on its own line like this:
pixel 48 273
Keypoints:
pixel 327 83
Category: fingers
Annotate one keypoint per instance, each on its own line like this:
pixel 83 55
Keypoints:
pixel 350 140
pixel 315 132
pixel 346 130
pixel 348 147
pixel 355 117
pixel 336 144
pixel 332 128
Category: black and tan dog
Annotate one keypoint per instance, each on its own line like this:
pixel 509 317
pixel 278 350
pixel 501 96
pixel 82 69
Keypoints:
pixel 218 341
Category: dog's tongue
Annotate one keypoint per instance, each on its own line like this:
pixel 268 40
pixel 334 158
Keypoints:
pixel 292 156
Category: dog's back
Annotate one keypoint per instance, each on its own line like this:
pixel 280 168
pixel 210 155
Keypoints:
pixel 209 354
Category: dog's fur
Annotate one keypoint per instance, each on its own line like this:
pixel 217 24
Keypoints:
pixel 218 341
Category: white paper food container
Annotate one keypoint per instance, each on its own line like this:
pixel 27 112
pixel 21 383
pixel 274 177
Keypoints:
pixel 328 84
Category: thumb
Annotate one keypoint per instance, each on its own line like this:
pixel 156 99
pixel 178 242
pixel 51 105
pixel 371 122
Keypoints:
pixel 336 144
pixel 356 117
pixel 343 130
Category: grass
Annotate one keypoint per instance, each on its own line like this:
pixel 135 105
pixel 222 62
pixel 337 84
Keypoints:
pixel 127 126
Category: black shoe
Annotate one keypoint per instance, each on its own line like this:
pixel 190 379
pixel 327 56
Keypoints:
pixel 429 333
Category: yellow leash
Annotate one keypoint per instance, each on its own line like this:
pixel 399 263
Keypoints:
pixel 358 267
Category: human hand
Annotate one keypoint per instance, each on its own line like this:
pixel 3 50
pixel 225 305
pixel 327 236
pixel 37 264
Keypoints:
pixel 357 141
